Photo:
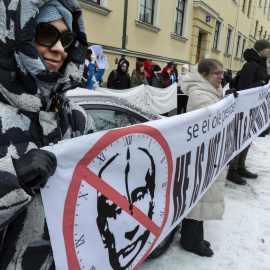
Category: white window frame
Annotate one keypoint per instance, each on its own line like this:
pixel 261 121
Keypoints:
pixel 230 40
pixel 244 46
pixel 265 6
pixel 152 27
pixel 238 45
pixel 220 21
pixel 184 29
pixel 248 8
pixel 102 8
pixel 156 12
pixel 244 5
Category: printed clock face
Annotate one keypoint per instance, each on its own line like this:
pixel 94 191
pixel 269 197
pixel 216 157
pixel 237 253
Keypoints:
pixel 128 180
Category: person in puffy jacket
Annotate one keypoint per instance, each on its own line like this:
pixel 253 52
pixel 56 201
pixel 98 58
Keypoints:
pixel 37 67
pixel 202 85
pixel 120 78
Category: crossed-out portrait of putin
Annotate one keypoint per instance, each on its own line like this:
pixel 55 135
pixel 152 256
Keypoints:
pixel 122 235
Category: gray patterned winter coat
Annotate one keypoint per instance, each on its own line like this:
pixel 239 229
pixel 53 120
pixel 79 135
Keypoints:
pixel 33 113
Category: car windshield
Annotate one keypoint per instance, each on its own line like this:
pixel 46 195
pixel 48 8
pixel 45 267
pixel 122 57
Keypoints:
pixel 109 119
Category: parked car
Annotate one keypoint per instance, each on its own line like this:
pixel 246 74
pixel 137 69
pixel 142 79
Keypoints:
pixel 110 112
pixel 113 112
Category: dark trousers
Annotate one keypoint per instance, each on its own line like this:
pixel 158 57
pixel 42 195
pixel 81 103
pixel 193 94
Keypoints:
pixel 192 234
pixel 182 104
pixel 239 160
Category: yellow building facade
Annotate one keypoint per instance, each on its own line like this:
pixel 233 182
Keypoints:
pixel 180 31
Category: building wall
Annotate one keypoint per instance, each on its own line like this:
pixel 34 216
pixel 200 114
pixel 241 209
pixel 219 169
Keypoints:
pixel 104 26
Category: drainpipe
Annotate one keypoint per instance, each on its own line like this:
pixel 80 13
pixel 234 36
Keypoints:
pixel 124 38
pixel 235 34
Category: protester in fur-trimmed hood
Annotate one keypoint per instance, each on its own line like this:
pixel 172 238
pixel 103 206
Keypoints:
pixel 42 53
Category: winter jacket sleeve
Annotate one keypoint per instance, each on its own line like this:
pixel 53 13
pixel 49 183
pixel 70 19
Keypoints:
pixel 99 74
pixel 248 77
pixel 155 81
pixel 165 82
pixel 133 81
pixel 111 79
pixel 13 198
pixel 90 82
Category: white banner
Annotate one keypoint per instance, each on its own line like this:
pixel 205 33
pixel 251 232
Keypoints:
pixel 156 100
pixel 116 194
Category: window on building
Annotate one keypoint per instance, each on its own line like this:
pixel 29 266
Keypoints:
pixel 249 5
pixel 179 17
pixel 147 8
pixel 256 29
pixel 238 45
pixel 228 41
pixel 260 3
pixel 268 17
pixel 265 6
pixel 216 35
pixel 244 5
pixel 265 35
pixel 243 47
pixel 95 1
pixel 260 32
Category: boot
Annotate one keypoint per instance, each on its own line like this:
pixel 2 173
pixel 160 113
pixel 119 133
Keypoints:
pixel 203 251
pixel 245 173
pixel 206 243
pixel 235 177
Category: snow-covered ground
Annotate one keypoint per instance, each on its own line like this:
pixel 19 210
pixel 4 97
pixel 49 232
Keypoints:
pixel 241 241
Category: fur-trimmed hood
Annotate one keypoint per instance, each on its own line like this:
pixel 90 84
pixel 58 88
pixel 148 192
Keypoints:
pixel 19 56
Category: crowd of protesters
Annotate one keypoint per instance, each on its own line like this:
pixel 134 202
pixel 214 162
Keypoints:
pixel 196 88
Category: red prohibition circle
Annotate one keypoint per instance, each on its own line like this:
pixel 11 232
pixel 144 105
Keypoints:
pixel 81 172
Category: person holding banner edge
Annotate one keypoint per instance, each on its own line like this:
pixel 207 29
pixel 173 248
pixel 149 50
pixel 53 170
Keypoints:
pixel 253 74
pixel 38 65
pixel 202 85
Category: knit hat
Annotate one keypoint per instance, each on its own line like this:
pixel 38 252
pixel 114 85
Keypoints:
pixel 139 65
pixel 185 66
pixel 261 44
pixel 53 11
pixel 156 67
pixel 165 70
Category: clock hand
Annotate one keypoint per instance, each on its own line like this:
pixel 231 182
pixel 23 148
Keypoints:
pixel 126 181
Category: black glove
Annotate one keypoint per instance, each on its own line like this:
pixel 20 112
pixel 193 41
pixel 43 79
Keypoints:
pixel 35 167
pixel 232 91
pixel 267 79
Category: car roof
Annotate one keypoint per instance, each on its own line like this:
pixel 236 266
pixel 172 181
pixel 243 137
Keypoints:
pixel 84 96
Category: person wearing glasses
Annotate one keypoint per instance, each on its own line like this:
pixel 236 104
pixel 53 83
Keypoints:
pixel 202 85
pixel 42 53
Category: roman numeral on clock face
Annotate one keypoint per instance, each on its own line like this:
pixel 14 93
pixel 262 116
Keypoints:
pixel 80 241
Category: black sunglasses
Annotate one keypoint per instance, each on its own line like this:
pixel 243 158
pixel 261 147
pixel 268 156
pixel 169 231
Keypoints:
pixel 47 35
